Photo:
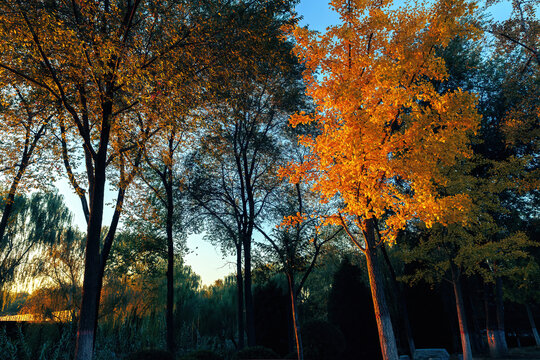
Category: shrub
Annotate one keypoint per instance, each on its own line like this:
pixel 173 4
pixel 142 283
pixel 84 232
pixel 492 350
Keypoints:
pixel 291 355
pixel 202 355
pixel 150 355
pixel 256 352
pixel 322 341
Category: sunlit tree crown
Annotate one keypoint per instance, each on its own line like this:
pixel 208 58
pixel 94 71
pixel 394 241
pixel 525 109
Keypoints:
pixel 385 133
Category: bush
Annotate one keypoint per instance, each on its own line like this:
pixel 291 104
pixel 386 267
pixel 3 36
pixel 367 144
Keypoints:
pixel 256 352
pixel 322 341
pixel 291 355
pixel 202 355
pixel 150 355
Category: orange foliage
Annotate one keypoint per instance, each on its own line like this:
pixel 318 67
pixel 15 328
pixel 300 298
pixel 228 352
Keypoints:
pixel 385 133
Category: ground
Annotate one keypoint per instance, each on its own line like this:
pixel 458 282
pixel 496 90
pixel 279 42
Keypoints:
pixel 530 353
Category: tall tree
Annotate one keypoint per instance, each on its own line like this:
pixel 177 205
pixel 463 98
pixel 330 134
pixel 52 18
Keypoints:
pixel 101 62
pixel 241 149
pixel 385 133
pixel 163 176
pixel 515 128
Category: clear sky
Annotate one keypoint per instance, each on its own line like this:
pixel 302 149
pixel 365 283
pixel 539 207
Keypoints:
pixel 316 14
pixel 205 259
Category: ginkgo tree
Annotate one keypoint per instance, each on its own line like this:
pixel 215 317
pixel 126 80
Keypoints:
pixel 385 133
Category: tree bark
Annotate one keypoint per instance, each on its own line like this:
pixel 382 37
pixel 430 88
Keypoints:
pixel 376 282
pixel 240 295
pixel 296 326
pixel 533 324
pixel 490 323
pixel 477 342
pixel 402 303
pixel 91 284
pixel 462 319
pixel 171 346
pixel 495 333
pixel 248 295
pixel 93 276
pixel 499 306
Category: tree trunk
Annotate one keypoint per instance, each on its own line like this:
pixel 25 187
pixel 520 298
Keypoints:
pixel 501 334
pixel 171 347
pixel 533 324
pixel 91 283
pixel 296 326
pixel 478 343
pixel 495 333
pixel 376 282
pixel 93 276
pixel 462 319
pixel 402 303
pixel 248 295
pixel 490 323
pixel 11 197
pixel 240 295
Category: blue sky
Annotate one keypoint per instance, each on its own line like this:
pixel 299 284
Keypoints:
pixel 205 259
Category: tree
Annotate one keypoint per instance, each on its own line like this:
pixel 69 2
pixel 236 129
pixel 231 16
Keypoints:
pixel 510 138
pixel 165 179
pixel 102 63
pixel 235 167
pixel 24 122
pixel 39 220
pixel 296 244
pixel 521 30
pixel 58 269
pixel 384 132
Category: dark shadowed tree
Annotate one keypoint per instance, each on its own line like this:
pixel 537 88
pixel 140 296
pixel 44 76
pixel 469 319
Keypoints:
pixel 350 308
pixel 235 169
